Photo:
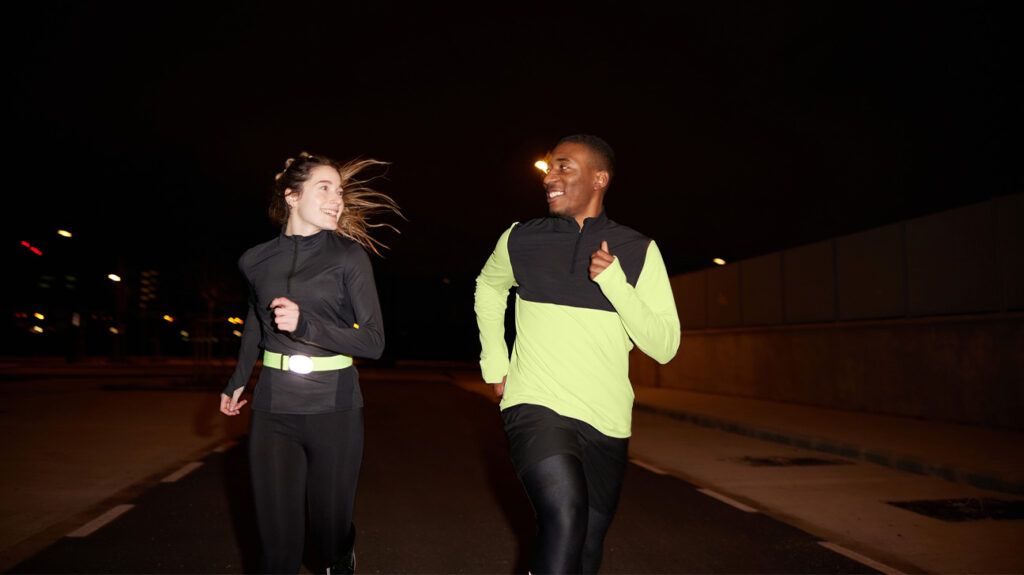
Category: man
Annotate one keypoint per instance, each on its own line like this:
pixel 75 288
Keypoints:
pixel 586 286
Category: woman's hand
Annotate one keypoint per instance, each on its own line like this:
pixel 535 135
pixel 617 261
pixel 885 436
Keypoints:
pixel 286 314
pixel 231 405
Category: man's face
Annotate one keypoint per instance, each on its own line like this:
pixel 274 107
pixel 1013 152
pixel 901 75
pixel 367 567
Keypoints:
pixel 573 183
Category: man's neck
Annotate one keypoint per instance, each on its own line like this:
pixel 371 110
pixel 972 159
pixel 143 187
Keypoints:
pixel 593 213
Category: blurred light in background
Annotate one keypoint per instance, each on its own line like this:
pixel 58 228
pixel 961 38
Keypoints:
pixel 37 329
pixel 719 261
pixel 168 318
pixel 237 333
pixel 64 233
pixel 236 320
pixel 39 316
pixel 183 333
pixel 114 277
pixel 32 248
pixel 541 165
pixel 114 330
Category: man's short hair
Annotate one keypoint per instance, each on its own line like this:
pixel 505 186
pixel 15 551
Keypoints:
pixel 605 154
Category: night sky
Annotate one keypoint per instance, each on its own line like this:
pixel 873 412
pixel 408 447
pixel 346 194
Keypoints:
pixel 154 131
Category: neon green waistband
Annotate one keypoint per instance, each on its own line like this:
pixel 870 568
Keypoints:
pixel 305 363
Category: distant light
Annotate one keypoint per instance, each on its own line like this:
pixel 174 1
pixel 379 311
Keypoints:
pixel 64 233
pixel 37 329
pixel 541 165
pixel 236 333
pixel 114 330
pixel 168 318
pixel 236 320
pixel 719 261
pixel 114 277
pixel 183 333
pixel 39 316
pixel 31 248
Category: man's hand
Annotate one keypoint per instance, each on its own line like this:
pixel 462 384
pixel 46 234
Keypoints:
pixel 499 388
pixel 600 260
pixel 286 314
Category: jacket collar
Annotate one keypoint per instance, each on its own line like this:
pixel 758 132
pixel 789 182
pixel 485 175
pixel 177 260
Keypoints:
pixel 303 242
pixel 568 224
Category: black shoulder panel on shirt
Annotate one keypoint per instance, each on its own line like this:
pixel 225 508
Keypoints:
pixel 551 259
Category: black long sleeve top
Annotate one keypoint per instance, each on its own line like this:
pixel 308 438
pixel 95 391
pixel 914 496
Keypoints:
pixel 331 280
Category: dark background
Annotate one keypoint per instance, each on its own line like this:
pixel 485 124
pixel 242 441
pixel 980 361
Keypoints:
pixel 153 133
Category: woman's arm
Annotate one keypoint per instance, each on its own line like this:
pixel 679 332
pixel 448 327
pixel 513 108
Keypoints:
pixel 366 337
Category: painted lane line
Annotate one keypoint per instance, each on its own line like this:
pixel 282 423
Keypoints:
pixel 881 567
pixel 648 467
pixel 224 446
pixel 185 470
pixel 728 500
pixel 92 526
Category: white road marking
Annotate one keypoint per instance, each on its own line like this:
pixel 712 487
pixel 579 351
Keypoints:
pixel 728 500
pixel 860 558
pixel 648 467
pixel 92 526
pixel 224 446
pixel 185 470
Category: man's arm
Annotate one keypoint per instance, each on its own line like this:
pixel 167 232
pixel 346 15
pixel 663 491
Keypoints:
pixel 648 311
pixel 491 297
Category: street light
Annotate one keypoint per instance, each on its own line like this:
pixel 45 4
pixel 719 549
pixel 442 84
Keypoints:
pixel 39 316
pixel 719 261
pixel 64 233
pixel 114 277
pixel 168 318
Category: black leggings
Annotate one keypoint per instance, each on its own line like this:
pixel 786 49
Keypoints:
pixel 570 533
pixel 301 462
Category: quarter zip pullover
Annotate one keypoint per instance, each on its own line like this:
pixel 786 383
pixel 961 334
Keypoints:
pixel 574 334
pixel 331 280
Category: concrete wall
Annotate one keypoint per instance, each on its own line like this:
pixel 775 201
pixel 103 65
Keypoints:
pixel 923 318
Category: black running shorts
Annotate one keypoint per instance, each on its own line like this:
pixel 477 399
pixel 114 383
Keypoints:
pixel 535 433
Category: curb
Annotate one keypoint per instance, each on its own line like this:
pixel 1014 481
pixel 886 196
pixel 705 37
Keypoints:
pixel 898 461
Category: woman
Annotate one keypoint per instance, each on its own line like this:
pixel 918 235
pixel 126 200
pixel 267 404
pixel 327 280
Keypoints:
pixel 313 306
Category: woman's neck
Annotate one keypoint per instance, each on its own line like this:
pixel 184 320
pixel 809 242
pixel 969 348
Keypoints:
pixel 296 227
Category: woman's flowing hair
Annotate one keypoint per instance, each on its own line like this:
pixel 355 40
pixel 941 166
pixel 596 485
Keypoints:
pixel 362 202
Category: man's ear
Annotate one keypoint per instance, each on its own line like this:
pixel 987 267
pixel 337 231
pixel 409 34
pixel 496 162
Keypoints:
pixel 601 180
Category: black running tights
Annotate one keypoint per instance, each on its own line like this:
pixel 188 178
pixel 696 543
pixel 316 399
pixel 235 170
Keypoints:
pixel 301 462
pixel 570 534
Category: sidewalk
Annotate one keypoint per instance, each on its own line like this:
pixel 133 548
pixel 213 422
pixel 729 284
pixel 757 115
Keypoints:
pixel 982 457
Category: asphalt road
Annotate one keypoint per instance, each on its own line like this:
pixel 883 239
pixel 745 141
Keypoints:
pixel 437 495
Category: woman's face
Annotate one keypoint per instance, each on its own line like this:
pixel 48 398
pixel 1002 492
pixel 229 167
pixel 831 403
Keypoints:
pixel 319 204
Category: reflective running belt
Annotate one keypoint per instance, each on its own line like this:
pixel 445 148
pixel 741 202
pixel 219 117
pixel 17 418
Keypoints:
pixel 305 363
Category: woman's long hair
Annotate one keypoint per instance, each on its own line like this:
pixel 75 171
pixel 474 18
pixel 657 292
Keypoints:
pixel 361 201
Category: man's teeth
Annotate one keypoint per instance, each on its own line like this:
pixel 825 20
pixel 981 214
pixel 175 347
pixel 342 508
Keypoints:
pixel 555 194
